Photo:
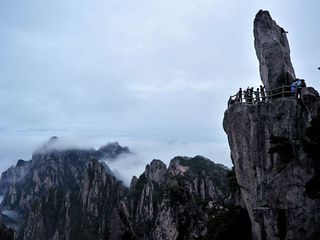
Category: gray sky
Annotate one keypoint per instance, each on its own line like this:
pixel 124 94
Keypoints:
pixel 152 74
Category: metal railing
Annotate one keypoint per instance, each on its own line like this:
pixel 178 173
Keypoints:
pixel 253 97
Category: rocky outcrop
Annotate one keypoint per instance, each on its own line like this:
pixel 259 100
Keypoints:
pixel 69 197
pixel 63 194
pixel 275 147
pixel 273 52
pixel 69 194
pixel 273 166
pixel 156 171
pixel 14 175
pixel 6 233
pixel 178 202
pixel 111 151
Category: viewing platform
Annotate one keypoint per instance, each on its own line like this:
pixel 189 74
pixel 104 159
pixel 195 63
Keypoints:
pixel 250 96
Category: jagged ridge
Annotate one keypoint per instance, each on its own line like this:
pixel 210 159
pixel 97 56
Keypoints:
pixel 68 194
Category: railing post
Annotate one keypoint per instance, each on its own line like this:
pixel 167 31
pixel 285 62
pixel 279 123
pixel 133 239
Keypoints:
pixel 265 96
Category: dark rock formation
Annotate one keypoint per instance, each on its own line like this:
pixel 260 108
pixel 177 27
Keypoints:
pixel 64 194
pixel 111 151
pixel 68 194
pixel 273 52
pixel 14 175
pixel 180 202
pixel 275 147
pixel 6 233
pixel 156 171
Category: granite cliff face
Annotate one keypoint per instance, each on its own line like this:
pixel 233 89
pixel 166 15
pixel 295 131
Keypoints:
pixel 177 203
pixel 69 194
pixel 273 52
pixel 275 147
pixel 62 194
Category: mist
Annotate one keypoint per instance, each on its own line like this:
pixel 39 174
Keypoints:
pixel 125 166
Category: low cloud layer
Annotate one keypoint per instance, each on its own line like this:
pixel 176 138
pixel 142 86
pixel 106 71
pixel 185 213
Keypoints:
pixel 126 166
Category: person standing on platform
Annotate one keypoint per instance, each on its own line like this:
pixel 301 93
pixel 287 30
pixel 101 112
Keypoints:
pixel 257 95
pixel 240 95
pixel 263 94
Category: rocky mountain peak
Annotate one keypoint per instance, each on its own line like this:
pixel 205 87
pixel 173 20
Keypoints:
pixel 53 139
pixel 177 203
pixel 70 194
pixel 275 146
pixel 175 168
pixel 21 163
pixel 273 52
pixel 57 146
pixel 133 182
pixel 48 146
pixel 59 192
pixel 156 171
pixel 14 175
pixel 112 150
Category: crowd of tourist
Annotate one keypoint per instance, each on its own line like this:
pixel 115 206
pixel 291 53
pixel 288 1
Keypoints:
pixel 252 96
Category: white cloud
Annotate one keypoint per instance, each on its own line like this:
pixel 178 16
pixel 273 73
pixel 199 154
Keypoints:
pixel 145 151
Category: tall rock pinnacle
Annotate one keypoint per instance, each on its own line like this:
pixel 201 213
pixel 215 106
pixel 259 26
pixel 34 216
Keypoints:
pixel 273 52
pixel 275 147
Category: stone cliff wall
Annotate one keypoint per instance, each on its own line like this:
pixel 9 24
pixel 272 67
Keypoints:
pixel 275 147
pixel 273 52
pixel 65 194
pixel 273 166
pixel 177 203
pixel 68 194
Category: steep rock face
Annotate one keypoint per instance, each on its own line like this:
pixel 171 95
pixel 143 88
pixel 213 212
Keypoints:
pixel 69 194
pixel 275 148
pixel 174 203
pixel 111 151
pixel 269 148
pixel 6 233
pixel 65 194
pixel 78 207
pixel 156 171
pixel 14 174
pixel 273 52
pixel 145 196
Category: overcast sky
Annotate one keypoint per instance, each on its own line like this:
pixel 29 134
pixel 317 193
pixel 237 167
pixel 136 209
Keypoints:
pixel 152 74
